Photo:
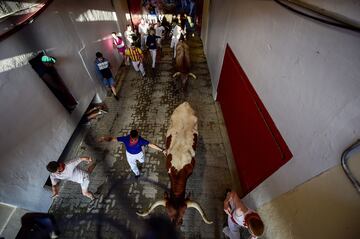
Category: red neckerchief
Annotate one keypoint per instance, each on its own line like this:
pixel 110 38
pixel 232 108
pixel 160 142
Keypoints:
pixel 134 142
pixel 63 167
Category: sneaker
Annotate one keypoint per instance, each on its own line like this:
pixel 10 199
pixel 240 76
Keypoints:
pixel 140 166
pixel 137 176
pixel 116 97
pixel 53 235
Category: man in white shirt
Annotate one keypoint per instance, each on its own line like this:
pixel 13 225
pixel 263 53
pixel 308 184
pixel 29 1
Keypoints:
pixel 240 216
pixel 143 30
pixel 128 35
pixel 176 33
pixel 159 29
pixel 70 171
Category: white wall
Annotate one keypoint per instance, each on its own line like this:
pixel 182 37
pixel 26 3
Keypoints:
pixel 10 220
pixel 205 23
pixel 327 206
pixel 35 127
pixel 307 75
pixel 121 8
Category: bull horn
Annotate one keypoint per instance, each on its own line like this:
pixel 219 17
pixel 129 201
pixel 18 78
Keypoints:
pixel 192 75
pixel 176 74
pixel 156 204
pixel 191 204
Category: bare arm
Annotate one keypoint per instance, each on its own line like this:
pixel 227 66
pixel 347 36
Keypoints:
pixel 86 159
pixel 75 162
pixel 55 190
pixel 239 205
pixel 107 139
pixel 154 146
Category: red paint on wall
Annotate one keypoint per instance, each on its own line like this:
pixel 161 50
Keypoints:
pixel 257 145
pixel 135 10
pixel 135 6
pixel 199 13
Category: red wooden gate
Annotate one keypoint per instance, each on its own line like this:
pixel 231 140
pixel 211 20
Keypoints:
pixel 258 148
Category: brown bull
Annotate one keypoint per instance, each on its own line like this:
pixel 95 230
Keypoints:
pixel 181 140
pixel 182 63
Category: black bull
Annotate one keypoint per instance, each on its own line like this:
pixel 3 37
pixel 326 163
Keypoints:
pixel 183 64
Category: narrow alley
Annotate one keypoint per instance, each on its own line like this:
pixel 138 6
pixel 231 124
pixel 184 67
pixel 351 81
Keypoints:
pixel 146 104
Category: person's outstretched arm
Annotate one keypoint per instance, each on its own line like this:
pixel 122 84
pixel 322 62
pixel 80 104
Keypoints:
pixel 55 190
pixel 107 139
pixel 154 146
pixel 232 197
pixel 55 182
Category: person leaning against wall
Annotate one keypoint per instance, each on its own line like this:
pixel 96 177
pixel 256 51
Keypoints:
pixel 119 44
pixel 103 70
pixel 241 217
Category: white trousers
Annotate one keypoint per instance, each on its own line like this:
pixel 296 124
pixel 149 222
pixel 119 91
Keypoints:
pixel 158 41
pixel 143 38
pixel 138 66
pixel 153 57
pixel 174 42
pixel 85 183
pixel 232 230
pixel 131 158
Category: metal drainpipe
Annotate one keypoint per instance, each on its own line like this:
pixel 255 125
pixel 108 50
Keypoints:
pixel 345 166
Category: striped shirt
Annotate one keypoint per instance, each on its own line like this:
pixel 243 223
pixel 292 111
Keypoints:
pixel 135 54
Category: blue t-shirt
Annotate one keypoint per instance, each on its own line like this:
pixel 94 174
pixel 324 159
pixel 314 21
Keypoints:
pixel 135 148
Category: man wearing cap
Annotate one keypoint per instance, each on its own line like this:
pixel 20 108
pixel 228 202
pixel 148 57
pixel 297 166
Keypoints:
pixel 134 144
pixel 52 79
pixel 240 216
pixel 48 59
pixel 102 66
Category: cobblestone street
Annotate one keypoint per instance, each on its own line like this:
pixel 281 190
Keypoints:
pixel 146 104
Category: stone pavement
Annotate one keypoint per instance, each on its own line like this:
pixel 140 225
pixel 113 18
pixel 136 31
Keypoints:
pixel 146 104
